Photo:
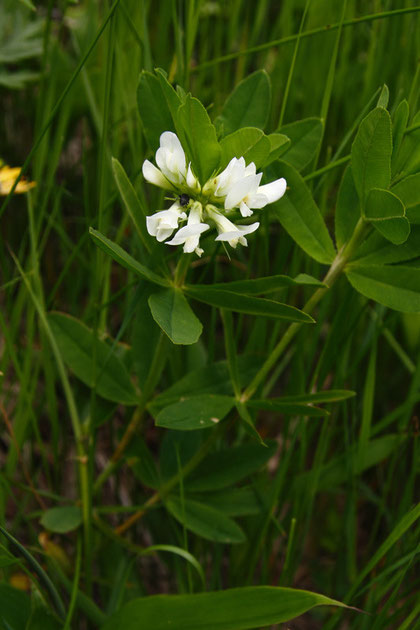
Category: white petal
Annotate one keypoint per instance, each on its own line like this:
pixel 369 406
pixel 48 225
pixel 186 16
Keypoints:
pixel 244 210
pixel 192 181
pixel 241 189
pixel 154 176
pixel 187 232
pixel 257 200
pixel 273 191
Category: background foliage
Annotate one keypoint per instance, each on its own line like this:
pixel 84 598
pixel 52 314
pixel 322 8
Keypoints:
pixel 329 503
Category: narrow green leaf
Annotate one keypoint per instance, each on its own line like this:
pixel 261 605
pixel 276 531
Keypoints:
pixel 347 212
pixel 327 396
pixel 395 286
pixel 174 315
pixel 288 408
pixel 123 258
pixel 233 501
pixel 305 136
pixel 343 468
pixel 78 346
pixel 257 286
pixel 248 105
pixel 62 519
pixel 198 138
pixel 43 578
pixel 172 98
pixel 408 160
pixel 131 201
pixel 399 125
pixel 227 467
pixel 232 609
pixel 249 143
pixel 300 216
pixel 371 153
pixel 205 521
pixel 246 304
pixel 178 551
pixel 195 412
pixel 153 109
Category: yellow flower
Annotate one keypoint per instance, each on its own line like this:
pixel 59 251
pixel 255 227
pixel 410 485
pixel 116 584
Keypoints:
pixel 7 179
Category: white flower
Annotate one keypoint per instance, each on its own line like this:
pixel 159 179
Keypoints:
pixel 172 173
pixel 239 187
pixel 227 230
pixel 189 235
pixel 162 224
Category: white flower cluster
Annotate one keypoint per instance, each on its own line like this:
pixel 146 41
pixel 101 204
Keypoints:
pixel 237 186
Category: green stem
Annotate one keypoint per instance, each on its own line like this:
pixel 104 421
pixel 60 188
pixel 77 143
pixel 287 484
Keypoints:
pixel 173 481
pixel 315 31
pixel 334 272
pixel 57 107
pixel 156 368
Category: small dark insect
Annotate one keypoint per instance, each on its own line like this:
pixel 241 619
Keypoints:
pixel 184 200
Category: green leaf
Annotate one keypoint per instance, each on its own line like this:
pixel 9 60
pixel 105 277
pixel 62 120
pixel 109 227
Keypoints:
pixel 399 125
pixel 226 467
pixel 279 143
pixel 246 304
pixel 347 211
pixel 153 109
pixel 15 607
pixel 78 346
pixel 131 201
pixel 378 251
pixel 172 99
pixel 257 286
pixel 233 501
pixel 371 153
pixel 395 286
pixel 205 521
pixel 344 467
pixel 305 136
pixel 211 379
pixel 198 138
pixel 174 315
pixel 232 609
pixel 195 412
pixel 300 216
pixel 408 160
pixel 288 408
pixel 249 143
pixel 408 190
pixel 248 105
pixel 62 519
pixel 327 396
pixel 120 256
pixel 386 212
pixel 383 97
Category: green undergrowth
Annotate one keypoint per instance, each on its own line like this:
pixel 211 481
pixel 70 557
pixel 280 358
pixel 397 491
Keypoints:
pixel 228 441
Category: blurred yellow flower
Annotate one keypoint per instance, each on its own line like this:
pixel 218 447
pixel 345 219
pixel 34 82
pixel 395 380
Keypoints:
pixel 7 179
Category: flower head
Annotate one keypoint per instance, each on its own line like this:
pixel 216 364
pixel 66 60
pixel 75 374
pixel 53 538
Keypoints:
pixel 189 235
pixel 7 179
pixel 163 223
pixel 236 187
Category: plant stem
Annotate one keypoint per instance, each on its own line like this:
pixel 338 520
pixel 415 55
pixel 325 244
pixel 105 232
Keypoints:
pixel 334 272
pixel 172 482
pixel 156 368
